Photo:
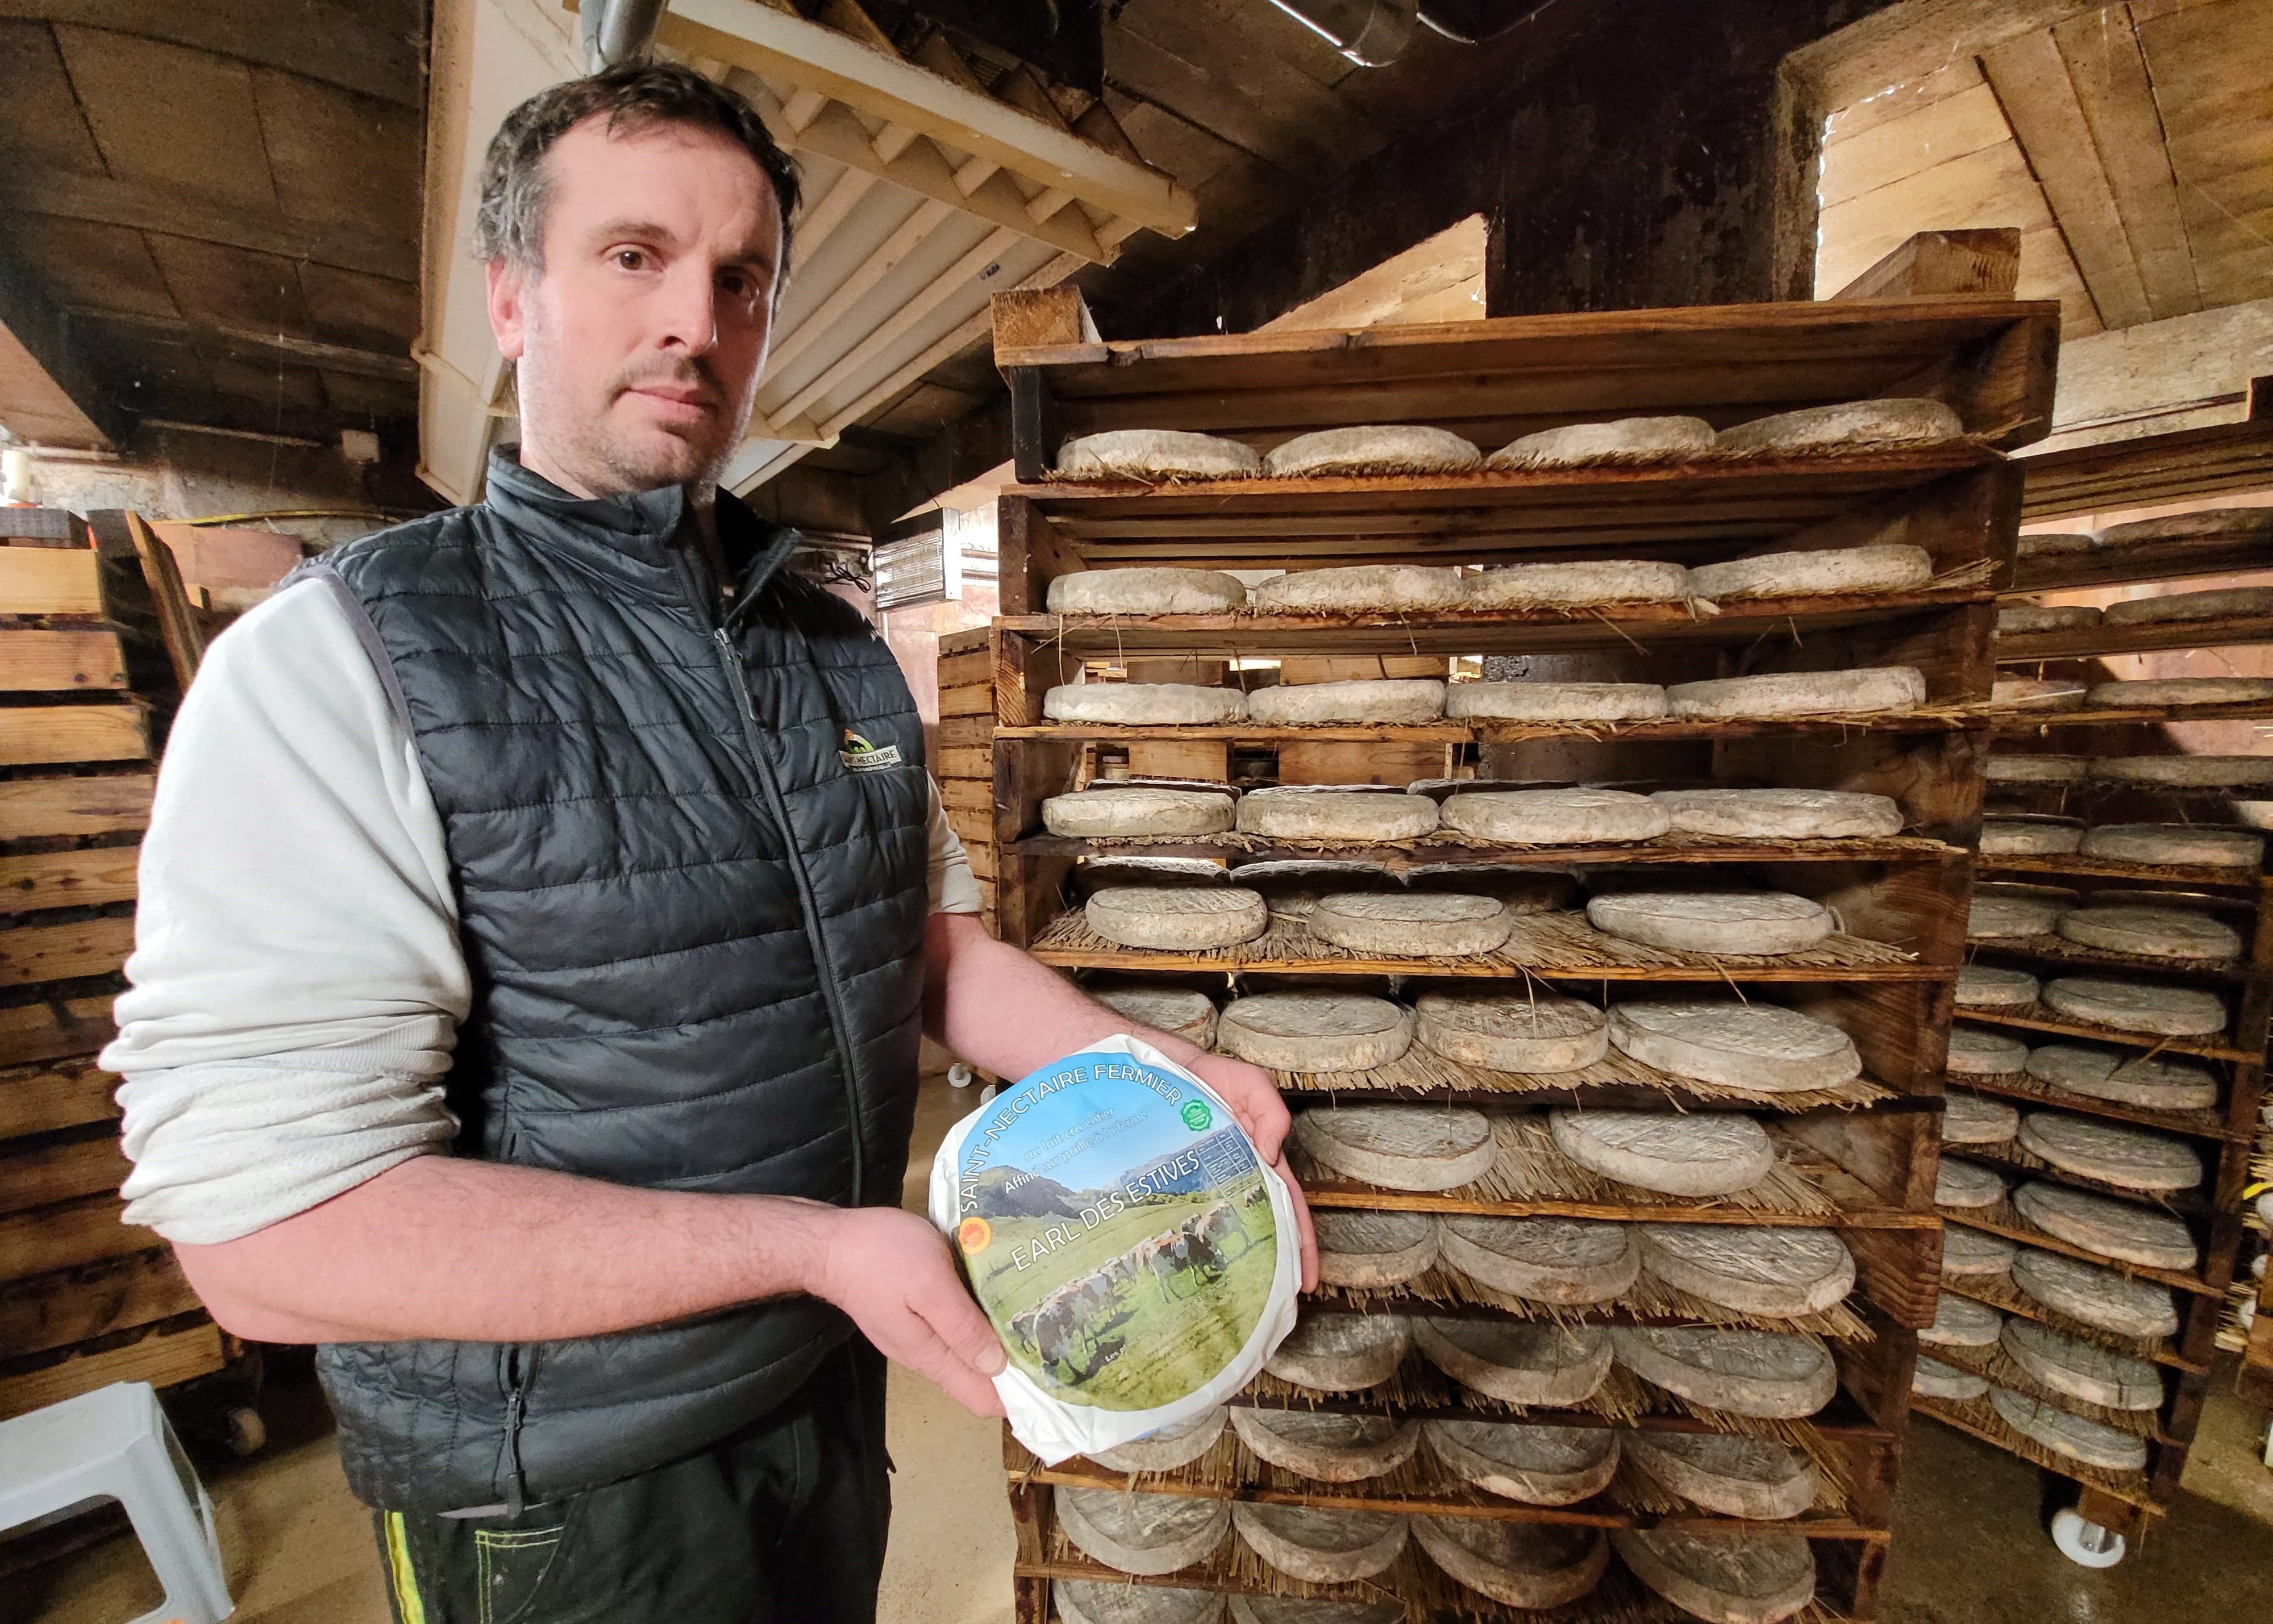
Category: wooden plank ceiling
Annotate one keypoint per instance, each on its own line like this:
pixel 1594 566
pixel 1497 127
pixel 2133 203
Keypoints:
pixel 222 200
pixel 2132 143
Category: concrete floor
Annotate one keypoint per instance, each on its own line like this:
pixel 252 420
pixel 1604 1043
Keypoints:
pixel 1969 1543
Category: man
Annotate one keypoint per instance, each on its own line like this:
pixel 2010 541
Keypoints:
pixel 539 911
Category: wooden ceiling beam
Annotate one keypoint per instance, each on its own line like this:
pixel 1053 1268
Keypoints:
pixel 48 392
pixel 260 348
pixel 371 50
pixel 143 207
pixel 2039 100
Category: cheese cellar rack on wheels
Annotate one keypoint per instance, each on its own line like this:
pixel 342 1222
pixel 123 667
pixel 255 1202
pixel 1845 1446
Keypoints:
pixel 1617 1098
pixel 2111 1023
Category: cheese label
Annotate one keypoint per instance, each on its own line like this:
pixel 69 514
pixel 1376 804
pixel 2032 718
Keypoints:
pixel 1135 1257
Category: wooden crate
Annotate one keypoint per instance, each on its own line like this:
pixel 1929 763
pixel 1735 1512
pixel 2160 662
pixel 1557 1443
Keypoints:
pixel 965 764
pixel 1869 1159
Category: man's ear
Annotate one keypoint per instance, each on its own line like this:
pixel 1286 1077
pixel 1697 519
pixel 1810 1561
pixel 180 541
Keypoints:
pixel 508 283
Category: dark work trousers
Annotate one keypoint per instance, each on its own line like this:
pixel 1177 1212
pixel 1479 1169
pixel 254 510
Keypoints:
pixel 782 1524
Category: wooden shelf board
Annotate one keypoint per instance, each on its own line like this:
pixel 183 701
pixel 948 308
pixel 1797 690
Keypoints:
pixel 2123 567
pixel 2137 1496
pixel 1472 631
pixel 2017 1302
pixel 2149 471
pixel 2075 864
pixel 2205 1048
pixel 2028 1235
pixel 1494 732
pixel 1366 1198
pixel 1890 850
pixel 2092 643
pixel 2074 956
pixel 2009 722
pixel 2192 1124
pixel 1701 974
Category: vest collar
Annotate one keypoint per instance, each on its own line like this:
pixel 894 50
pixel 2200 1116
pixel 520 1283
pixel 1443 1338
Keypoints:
pixel 641 526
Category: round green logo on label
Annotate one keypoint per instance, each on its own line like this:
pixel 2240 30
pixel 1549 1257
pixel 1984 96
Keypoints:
pixel 1196 1116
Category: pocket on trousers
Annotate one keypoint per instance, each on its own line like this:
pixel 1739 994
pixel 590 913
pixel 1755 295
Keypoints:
pixel 510 1566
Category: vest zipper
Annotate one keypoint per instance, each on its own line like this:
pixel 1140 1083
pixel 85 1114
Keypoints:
pixel 519 1364
pixel 831 994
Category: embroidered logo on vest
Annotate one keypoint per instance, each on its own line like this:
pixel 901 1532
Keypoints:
pixel 863 756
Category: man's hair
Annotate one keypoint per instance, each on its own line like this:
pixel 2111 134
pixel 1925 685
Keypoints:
pixel 637 95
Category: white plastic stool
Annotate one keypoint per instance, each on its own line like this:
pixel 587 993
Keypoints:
pixel 114 1442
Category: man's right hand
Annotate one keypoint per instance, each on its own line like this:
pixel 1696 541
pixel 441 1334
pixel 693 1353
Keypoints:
pixel 893 1274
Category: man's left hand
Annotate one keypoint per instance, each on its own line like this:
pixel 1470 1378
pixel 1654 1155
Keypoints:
pixel 1253 1098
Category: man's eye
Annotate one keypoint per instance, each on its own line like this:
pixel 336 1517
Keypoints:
pixel 630 259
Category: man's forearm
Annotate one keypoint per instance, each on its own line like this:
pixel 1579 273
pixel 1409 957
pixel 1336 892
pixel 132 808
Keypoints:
pixel 485 1251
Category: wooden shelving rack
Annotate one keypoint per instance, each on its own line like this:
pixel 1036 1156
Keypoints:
pixel 1863 1161
pixel 2127 1503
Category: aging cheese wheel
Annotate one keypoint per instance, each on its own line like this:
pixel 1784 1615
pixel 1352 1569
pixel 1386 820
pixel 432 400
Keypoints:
pixel 1556 816
pixel 2175 843
pixel 1290 886
pixel 2036 694
pixel 1930 1378
pixel 1094 813
pixel 1771 1375
pixel 1969 1119
pixel 2054 546
pixel 2069 1435
pixel 2035 769
pixel 1724 1578
pixel 1841 570
pixel 1799 693
pixel 1342 1352
pixel 2129 1157
pixel 1399 1147
pixel 1975 1251
pixel 1312 1031
pixel 1533 1032
pixel 1374 449
pixel 1320 1545
pixel 2187 772
pixel 1961 1322
pixel 1571 1262
pixel 1538 1465
pixel 1147 591
pixel 1626 439
pixel 1177 1444
pixel 2183 691
pixel 2082 1369
pixel 1375 700
pixel 1728 1473
pixel 1763 923
pixel 1176 1010
pixel 2151 932
pixel 1985 986
pixel 1781 815
pixel 1141 1533
pixel 2127 1231
pixel 1764 1047
pixel 1556 702
pixel 1976 1053
pixel 1292 813
pixel 1533 1565
pixel 1966 1185
pixel 2216 524
pixel 2095 1296
pixel 2137 1007
pixel 1097 1601
pixel 1333 1448
pixel 1845 427
pixel 1991 916
pixel 1176 918
pixel 1412 924
pixel 1144 704
pixel 1518 1361
pixel 1374 1249
pixel 1701 1155
pixel 2028 838
pixel 1297 1609
pixel 1361 588
pixel 1582 583
pixel 2024 618
pixel 2217 604
pixel 1775 1273
pixel 2127 1079
pixel 1152 454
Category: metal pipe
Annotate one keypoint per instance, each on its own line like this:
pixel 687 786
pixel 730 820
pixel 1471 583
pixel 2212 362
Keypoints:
pixel 617 31
pixel 1373 34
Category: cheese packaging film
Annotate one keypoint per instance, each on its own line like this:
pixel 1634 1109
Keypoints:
pixel 1138 1260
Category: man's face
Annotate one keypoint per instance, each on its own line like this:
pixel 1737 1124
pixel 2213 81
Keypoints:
pixel 638 346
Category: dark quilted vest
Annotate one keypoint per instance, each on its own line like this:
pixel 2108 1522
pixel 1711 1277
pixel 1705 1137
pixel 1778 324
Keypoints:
pixel 696 935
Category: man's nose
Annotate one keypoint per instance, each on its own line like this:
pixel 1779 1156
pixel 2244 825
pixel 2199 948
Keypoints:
pixel 689 310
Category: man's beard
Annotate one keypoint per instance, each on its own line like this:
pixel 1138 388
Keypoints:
pixel 609 463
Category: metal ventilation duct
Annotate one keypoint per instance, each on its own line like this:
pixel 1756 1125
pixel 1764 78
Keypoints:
pixel 1373 34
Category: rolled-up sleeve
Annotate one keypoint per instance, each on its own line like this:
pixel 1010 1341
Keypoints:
pixel 296 982
pixel 953 888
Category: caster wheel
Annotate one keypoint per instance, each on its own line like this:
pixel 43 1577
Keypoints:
pixel 248 1433
pixel 958 1075
pixel 2086 1544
